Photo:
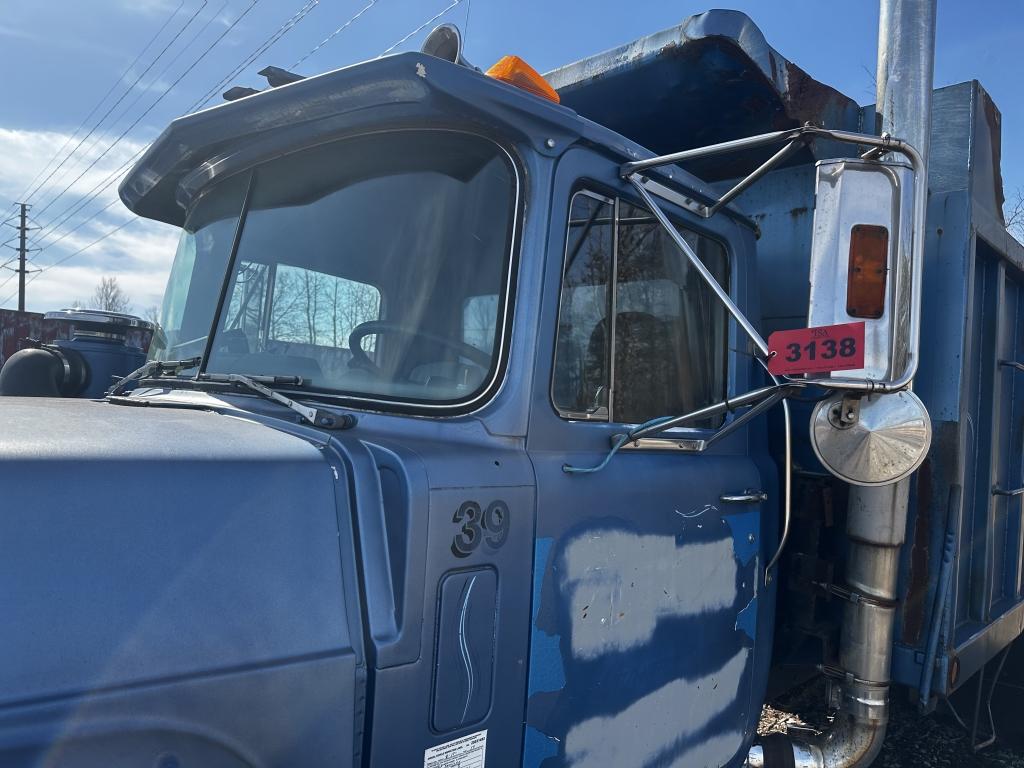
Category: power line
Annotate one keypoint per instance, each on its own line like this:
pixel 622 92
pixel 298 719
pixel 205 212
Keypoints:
pixel 280 32
pixel 335 33
pixel 76 207
pixel 71 210
pixel 118 81
pixel 265 46
pixel 72 255
pixel 193 65
pixel 14 272
pixel 141 91
pixel 112 108
pixel 421 27
pixel 78 226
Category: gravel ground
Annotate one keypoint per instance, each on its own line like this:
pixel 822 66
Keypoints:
pixel 935 741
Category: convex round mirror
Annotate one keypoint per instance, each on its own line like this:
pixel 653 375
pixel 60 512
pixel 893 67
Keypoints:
pixel 877 440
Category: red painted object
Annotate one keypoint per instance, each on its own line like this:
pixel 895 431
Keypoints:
pixel 817 350
pixel 16 326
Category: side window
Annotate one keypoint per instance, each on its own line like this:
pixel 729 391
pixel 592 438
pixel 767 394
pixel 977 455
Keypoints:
pixel 659 323
pixel 670 330
pixel 582 360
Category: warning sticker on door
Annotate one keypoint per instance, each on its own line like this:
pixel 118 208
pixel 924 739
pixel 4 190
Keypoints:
pixel 467 752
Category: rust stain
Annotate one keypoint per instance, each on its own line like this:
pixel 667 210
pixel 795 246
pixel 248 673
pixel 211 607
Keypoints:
pixel 994 122
pixel 917 591
pixel 807 99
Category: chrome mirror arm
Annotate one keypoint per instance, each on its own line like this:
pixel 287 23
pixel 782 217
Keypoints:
pixel 793 138
pixel 696 263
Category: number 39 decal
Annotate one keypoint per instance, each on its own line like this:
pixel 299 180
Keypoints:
pixel 488 525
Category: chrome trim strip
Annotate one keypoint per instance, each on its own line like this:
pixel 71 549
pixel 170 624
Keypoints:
pixel 664 444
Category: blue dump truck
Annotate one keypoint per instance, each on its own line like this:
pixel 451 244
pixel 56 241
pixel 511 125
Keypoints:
pixel 510 420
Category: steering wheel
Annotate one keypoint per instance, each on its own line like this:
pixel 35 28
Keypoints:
pixel 376 327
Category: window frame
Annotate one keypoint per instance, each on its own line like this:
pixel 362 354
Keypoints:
pixel 595 417
pixel 616 200
pixel 507 297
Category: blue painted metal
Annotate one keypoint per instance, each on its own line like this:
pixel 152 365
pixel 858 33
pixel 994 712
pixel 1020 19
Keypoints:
pixel 108 360
pixel 650 616
pixel 210 580
pixel 941 599
pixel 178 584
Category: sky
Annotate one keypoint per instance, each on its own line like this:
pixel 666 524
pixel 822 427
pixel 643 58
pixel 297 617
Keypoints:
pixel 103 78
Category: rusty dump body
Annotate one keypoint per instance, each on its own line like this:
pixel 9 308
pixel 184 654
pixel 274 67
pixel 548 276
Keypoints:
pixel 715 78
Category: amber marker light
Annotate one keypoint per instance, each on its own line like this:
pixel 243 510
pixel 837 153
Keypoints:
pixel 865 284
pixel 515 71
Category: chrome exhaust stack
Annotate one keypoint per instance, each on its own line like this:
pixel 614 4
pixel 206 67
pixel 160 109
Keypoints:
pixel 877 514
pixel 859 690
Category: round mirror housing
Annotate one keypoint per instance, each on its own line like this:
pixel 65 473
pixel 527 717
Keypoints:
pixel 871 440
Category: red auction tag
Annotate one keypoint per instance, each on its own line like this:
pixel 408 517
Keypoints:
pixel 817 350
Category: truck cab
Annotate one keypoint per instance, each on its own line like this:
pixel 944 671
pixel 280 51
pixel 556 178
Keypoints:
pixel 396 485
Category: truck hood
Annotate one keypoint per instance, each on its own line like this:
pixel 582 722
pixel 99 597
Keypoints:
pixel 142 545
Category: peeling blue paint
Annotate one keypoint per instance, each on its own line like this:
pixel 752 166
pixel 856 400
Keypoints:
pixel 744 527
pixel 546 670
pixel 537 747
pixel 746 619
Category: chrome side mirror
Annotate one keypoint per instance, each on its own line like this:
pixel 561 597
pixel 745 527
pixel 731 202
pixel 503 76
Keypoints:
pixel 861 269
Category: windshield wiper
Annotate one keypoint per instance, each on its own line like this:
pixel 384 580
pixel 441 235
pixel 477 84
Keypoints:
pixel 151 370
pixel 318 417
pixel 257 384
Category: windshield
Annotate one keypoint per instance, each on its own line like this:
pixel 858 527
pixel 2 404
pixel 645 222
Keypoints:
pixel 375 267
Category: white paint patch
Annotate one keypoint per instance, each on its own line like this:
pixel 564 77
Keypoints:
pixel 421 70
pixel 620 584
pixel 711 753
pixel 652 725
pixel 466 752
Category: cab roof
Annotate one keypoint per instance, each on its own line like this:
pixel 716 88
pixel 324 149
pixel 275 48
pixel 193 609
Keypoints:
pixel 408 90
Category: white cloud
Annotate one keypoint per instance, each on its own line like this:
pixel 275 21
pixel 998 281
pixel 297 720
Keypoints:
pixel 139 255
pixel 24 153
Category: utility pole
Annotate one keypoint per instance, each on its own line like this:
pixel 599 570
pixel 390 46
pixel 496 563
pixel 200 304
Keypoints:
pixel 22 255
pixel 22 250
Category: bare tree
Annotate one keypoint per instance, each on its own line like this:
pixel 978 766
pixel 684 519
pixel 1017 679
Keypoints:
pixel 152 314
pixel 1013 214
pixel 110 296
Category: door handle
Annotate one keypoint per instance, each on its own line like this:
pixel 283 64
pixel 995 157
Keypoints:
pixel 747 497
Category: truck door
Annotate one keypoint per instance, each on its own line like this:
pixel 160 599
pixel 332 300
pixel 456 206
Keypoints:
pixel 648 573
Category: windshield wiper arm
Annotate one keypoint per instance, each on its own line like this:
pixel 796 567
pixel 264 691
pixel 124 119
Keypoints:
pixel 318 417
pixel 153 369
